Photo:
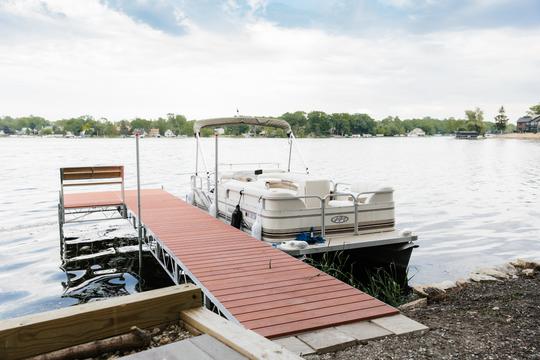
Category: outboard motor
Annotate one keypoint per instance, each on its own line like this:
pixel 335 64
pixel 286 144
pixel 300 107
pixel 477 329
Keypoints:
pixel 237 217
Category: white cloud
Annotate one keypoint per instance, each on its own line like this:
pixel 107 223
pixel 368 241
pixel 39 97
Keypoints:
pixel 98 61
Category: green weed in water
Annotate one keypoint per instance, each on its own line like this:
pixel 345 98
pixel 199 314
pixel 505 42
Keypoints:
pixel 382 285
pixel 379 283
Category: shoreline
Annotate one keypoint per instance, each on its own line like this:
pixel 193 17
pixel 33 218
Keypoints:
pixel 493 316
pixel 519 136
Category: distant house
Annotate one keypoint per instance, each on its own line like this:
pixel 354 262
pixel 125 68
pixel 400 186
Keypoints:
pixel 154 132
pixel 528 124
pixel 523 123
pixel 534 125
pixel 169 133
pixel 416 132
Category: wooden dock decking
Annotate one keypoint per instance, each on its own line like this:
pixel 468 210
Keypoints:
pixel 261 287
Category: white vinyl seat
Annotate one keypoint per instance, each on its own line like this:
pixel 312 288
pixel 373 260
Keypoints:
pixel 340 203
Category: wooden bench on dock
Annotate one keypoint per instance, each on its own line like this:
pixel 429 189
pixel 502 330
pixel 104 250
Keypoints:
pixel 71 210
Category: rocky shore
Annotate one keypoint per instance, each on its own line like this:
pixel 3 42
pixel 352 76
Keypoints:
pixel 493 314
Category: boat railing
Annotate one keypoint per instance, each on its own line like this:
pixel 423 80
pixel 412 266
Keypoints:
pixel 259 164
pixel 337 184
pixel 197 182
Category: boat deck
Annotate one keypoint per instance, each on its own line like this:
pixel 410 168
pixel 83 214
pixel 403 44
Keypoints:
pixel 250 282
pixel 350 241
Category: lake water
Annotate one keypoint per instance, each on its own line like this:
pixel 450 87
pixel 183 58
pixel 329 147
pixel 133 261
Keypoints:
pixel 472 203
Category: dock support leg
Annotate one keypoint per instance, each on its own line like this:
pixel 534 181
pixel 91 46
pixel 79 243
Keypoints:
pixel 61 231
pixel 139 222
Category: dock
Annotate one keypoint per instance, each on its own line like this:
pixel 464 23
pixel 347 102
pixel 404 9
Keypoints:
pixel 243 279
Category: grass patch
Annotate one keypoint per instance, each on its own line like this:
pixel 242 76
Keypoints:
pixel 382 285
pixel 379 283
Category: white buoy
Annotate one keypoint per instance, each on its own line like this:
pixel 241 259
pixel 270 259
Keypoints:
pixel 256 228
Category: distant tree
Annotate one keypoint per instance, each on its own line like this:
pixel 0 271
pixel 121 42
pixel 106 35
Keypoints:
pixel 142 124
pixel 176 123
pixel 362 124
pixel 161 124
pixel 236 130
pixel 534 110
pixel 297 120
pixel 319 123
pixel 475 120
pixel 390 126
pixel 501 120
pixel 124 128
pixel 341 124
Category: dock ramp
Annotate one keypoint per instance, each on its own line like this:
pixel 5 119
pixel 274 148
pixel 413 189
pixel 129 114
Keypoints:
pixel 244 279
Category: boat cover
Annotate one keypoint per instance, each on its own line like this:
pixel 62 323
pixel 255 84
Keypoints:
pixel 249 120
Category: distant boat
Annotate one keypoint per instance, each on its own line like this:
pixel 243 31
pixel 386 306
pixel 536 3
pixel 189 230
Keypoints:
pixel 468 135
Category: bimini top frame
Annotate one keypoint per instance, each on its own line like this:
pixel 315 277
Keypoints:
pixel 247 120
pixel 238 120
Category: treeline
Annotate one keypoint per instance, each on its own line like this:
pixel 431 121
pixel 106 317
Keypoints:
pixel 315 124
pixel 89 126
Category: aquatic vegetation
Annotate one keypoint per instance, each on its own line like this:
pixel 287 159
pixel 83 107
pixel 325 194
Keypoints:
pixel 385 286
pixel 335 264
pixel 380 283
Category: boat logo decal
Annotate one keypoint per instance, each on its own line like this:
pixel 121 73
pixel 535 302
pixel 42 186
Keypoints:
pixel 339 219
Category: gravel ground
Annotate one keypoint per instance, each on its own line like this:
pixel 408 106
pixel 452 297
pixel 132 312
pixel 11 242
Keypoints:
pixel 160 336
pixel 488 320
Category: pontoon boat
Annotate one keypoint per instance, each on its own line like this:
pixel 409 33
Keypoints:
pixel 303 214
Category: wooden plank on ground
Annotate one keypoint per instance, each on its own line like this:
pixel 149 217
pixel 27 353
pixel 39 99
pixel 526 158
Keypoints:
pixel 246 342
pixel 44 332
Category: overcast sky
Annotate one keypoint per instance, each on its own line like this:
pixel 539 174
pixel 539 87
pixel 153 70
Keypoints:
pixel 126 58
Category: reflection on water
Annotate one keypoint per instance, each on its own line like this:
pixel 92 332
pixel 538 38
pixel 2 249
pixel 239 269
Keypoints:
pixel 472 203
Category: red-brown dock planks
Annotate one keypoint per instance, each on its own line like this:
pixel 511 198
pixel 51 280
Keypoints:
pixel 266 290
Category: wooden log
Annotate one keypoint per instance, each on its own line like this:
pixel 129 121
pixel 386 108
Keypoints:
pixel 45 332
pixel 246 342
pixel 136 339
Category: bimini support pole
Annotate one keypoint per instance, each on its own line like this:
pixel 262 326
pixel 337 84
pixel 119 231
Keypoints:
pixel 139 222
pixel 299 153
pixel 216 176
pixel 290 152
pixel 200 151
pixel 197 154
